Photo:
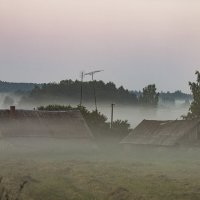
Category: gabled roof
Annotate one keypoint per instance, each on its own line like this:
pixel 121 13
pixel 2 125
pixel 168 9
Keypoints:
pixel 32 123
pixel 166 133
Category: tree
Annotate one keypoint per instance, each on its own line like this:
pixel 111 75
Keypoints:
pixel 149 96
pixel 121 127
pixel 194 110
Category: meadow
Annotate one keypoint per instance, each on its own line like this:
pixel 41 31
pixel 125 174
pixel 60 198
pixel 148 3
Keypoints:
pixel 106 172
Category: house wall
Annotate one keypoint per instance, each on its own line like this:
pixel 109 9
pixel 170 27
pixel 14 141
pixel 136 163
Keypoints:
pixel 148 149
pixel 192 137
pixel 198 132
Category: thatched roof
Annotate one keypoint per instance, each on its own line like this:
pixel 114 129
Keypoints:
pixel 163 133
pixel 31 123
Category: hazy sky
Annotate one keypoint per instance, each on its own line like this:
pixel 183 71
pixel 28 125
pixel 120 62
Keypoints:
pixel 136 42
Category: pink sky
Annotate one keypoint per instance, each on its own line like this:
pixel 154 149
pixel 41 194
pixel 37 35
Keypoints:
pixel 143 41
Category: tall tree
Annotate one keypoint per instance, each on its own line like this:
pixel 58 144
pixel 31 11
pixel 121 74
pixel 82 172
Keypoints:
pixel 149 96
pixel 194 110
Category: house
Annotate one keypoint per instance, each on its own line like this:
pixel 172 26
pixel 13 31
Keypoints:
pixel 43 124
pixel 164 133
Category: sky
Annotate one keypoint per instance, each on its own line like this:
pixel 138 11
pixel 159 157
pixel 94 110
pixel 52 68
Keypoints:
pixel 135 42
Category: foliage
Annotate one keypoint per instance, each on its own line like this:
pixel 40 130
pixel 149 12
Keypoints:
pixel 149 96
pixel 194 110
pixel 68 89
pixel 121 126
pixel 55 108
pixel 95 120
pixel 16 87
pixel 172 96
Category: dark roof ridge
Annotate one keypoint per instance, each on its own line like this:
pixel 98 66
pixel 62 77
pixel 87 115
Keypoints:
pixel 158 123
pixel 27 110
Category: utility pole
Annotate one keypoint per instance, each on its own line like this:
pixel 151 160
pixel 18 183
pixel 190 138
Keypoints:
pixel 81 97
pixel 94 90
pixel 95 97
pixel 112 111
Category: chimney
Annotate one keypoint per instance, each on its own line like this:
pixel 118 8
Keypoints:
pixel 12 111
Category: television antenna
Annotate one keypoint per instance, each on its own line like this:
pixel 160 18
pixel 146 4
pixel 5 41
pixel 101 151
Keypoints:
pixel 92 73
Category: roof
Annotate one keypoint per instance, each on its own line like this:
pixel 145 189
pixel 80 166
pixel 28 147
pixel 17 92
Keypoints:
pixel 32 123
pixel 163 133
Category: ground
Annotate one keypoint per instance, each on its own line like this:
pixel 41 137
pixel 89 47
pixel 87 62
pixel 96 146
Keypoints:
pixel 157 174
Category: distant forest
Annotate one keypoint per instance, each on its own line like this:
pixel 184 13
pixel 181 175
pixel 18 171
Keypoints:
pixel 172 97
pixel 71 90
pixel 105 93
pixel 6 87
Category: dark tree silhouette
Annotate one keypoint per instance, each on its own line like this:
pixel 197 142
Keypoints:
pixel 149 96
pixel 194 110
pixel 68 89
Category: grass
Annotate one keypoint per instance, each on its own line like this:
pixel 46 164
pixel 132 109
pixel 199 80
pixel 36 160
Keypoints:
pixel 99 175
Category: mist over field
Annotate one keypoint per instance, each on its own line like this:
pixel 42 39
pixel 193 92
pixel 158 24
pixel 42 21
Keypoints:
pixel 8 99
pixel 133 113
pixel 57 168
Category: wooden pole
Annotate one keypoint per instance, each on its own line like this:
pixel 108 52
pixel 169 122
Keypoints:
pixel 112 112
pixel 94 90
pixel 81 97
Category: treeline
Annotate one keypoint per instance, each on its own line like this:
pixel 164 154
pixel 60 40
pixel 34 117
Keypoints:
pixel 70 90
pixel 172 97
pixel 105 93
pixel 6 87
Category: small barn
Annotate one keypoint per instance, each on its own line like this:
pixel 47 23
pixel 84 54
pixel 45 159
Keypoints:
pixel 43 124
pixel 164 133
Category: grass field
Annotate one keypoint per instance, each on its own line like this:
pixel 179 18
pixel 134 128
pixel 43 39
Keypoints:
pixel 100 174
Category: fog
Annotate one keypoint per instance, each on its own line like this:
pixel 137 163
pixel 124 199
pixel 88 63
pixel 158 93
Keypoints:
pixel 8 99
pixel 104 149
pixel 39 166
pixel 134 114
